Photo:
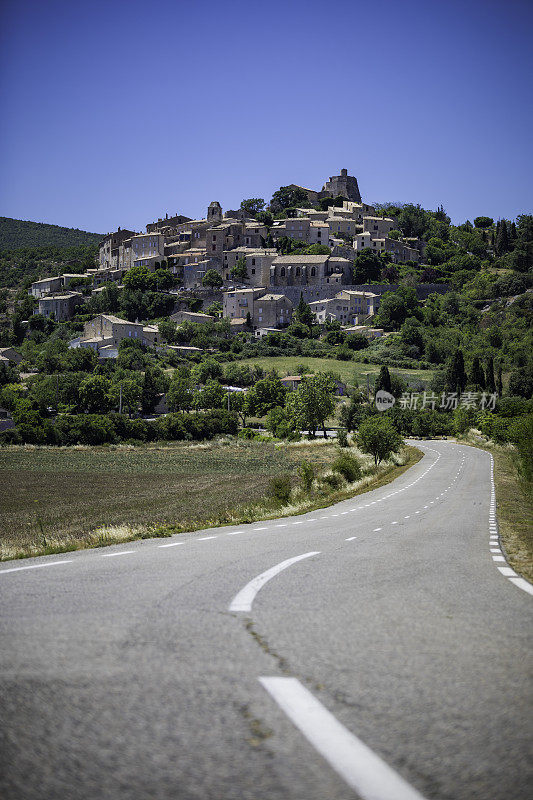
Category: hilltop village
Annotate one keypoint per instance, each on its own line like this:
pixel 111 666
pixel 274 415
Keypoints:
pixel 254 262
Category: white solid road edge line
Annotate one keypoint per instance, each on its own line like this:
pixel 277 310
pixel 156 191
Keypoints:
pixel 37 566
pixel 244 599
pixel 357 764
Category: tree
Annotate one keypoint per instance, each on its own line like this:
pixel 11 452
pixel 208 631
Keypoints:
pixel 456 375
pixel 125 395
pixel 167 330
pixel 317 250
pixel 383 380
pixel 303 312
pixel 253 206
pixel 499 381
pixel 211 395
pixel 390 274
pixel 489 372
pixel 149 394
pixel 179 396
pixel 483 222
pixel 379 437
pixel 212 279
pixel 396 306
pixel 502 238
pixel 239 272
pixel 207 369
pixel 477 376
pixel 312 403
pixel 265 218
pixel 267 393
pixel 288 197
pixel 94 394
pixel 367 266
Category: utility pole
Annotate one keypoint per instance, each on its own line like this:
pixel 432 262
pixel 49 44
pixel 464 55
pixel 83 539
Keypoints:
pixel 228 401
pixel 120 399
pixel 57 392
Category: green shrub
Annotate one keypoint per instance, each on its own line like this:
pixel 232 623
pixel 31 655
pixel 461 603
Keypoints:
pixel 306 470
pixel 280 489
pixel 348 466
pixel 342 437
pixel 333 481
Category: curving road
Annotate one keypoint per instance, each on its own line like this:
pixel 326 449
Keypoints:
pixel 378 649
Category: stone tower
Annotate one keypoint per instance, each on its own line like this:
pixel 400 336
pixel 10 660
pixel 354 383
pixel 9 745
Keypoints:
pixel 214 213
pixel 343 184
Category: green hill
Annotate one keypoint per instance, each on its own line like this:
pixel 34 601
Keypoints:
pixel 16 234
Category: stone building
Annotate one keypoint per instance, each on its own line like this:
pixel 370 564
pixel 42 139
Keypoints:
pixel 272 311
pixel 258 263
pixel 61 305
pixel 343 184
pixel 302 228
pixel 302 270
pixel 348 307
pixel 108 253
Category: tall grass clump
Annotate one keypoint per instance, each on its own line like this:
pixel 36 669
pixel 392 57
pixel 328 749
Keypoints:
pixel 280 488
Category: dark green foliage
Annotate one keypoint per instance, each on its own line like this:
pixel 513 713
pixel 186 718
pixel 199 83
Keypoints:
pixel 239 271
pixel 383 380
pixel 379 437
pixel 348 466
pixel 477 376
pixel 483 222
pixel 288 197
pixel 456 376
pixel 18 234
pixel 489 375
pixel 303 313
pixel 253 206
pixel 212 279
pixel 367 267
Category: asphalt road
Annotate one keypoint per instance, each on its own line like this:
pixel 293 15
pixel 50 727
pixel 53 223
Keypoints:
pixel 401 641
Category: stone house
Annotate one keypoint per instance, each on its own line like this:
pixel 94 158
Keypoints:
pixel 348 307
pixel 308 230
pixel 237 303
pixel 107 330
pixel 61 305
pixel 191 316
pixel 378 227
pixel 258 263
pixel 292 382
pixel 272 311
pixel 109 248
pixel 45 286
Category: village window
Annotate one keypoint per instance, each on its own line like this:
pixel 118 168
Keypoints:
pixel 282 272
pixel 253 272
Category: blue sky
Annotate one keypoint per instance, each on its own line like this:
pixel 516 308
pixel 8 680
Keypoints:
pixel 115 113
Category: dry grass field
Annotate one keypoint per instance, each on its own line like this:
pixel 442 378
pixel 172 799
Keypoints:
pixel 56 497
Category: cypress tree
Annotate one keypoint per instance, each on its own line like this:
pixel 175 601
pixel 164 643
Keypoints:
pixel 499 381
pixel 489 380
pixel 383 381
pixel 502 239
pixel 456 378
pixel 477 376
pixel 303 312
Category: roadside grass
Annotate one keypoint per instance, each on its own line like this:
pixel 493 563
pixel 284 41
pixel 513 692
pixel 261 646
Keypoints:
pixel 514 505
pixel 61 499
pixel 348 370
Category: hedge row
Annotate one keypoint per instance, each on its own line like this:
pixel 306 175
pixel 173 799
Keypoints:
pixel 94 429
